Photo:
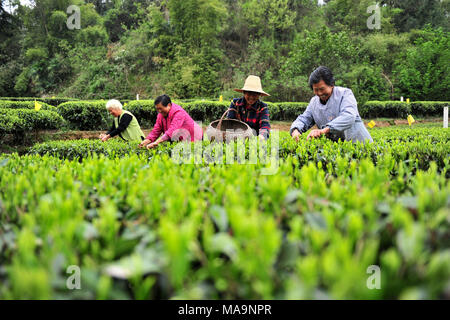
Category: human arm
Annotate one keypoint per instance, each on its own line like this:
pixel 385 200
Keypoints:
pixel 303 123
pixel 123 125
pixel 155 133
pixel 233 112
pixel 106 136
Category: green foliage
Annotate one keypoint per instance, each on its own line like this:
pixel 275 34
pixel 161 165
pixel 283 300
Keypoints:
pixel 313 49
pixel 85 115
pixel 419 146
pixel 11 124
pixel 352 15
pixel 92 115
pixel 415 14
pixel 93 36
pixel 425 72
pixel 51 101
pixel 269 18
pixel 367 83
pixel 33 54
pixel 397 109
pixel 24 105
pixel 332 210
pixel 205 48
pixel 428 108
pixel 197 22
pixel 197 75
pixel 21 121
pixel 287 111
pixel 386 109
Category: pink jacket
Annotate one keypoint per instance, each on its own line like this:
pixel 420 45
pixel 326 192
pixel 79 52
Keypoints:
pixel 177 126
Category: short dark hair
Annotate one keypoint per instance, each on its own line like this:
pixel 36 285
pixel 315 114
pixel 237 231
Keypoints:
pixel 163 99
pixel 321 73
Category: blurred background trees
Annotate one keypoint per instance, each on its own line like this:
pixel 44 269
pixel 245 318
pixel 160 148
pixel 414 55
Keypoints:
pixel 205 48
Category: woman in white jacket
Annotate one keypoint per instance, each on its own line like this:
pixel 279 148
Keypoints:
pixel 333 109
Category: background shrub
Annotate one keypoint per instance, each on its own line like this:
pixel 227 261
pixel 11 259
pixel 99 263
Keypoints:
pixel 25 105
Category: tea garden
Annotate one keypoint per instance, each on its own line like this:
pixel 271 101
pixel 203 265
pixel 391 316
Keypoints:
pixel 137 225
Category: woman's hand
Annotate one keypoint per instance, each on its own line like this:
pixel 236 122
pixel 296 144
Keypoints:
pixel 101 136
pixel 296 134
pixel 105 137
pixel 152 145
pixel 144 143
pixel 316 133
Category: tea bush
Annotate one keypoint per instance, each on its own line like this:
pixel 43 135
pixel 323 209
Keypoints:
pixel 92 115
pixel 139 225
pixel 25 105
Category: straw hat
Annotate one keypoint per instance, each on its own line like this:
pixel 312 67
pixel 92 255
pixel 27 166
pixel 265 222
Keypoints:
pixel 253 83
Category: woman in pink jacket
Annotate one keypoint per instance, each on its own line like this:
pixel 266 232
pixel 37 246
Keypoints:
pixel 173 122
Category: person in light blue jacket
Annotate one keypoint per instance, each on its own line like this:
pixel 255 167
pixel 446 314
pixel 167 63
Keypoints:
pixel 333 109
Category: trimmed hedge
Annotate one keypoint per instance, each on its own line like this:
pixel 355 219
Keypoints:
pixel 11 124
pixel 419 146
pixel 92 115
pixel 6 104
pixel 428 108
pixel 21 120
pixel 51 101
pixel 286 111
pixel 398 109
pixel 85 115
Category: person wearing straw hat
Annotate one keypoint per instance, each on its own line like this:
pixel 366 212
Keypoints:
pixel 250 109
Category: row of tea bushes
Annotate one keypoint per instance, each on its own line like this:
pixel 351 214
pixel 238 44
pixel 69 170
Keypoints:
pixel 19 122
pixel 143 227
pixel 416 146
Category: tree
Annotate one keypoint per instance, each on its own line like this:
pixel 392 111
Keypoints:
pixel 417 13
pixel 352 15
pixel 197 22
pixel 425 73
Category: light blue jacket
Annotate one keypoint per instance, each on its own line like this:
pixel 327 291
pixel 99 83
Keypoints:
pixel 340 114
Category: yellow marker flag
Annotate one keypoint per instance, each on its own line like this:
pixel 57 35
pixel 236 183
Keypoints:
pixel 407 100
pixel 221 99
pixel 125 104
pixel 371 124
pixel 53 97
pixel 37 105
pixel 411 120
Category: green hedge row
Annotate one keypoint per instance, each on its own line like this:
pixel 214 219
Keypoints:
pixel 420 146
pixel 92 115
pixel 51 101
pixel 7 104
pixel 20 121
pixel 398 109
pixel 85 115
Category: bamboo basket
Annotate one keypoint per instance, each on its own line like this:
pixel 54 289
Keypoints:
pixel 225 130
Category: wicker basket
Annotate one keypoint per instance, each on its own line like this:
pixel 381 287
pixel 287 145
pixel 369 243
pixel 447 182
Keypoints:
pixel 217 130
